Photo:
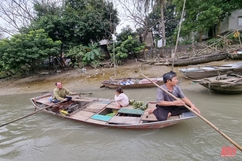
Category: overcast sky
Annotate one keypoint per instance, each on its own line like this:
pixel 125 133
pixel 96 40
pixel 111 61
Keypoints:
pixel 121 14
pixel 124 21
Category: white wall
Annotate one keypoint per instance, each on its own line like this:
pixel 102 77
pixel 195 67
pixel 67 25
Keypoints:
pixel 231 23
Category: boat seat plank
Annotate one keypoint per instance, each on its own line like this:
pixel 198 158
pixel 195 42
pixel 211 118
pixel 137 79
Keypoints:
pixel 124 120
pixel 45 101
pixel 96 106
pixel 130 111
pixel 148 117
pixel 82 115
pixel 151 117
pixel 112 105
pixel 83 99
pixel 101 117
pixel 174 117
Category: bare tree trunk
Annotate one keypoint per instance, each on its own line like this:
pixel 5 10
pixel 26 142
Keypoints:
pixel 162 27
pixel 145 32
pixel 178 34
pixel 200 36
pixel 218 28
pixel 163 24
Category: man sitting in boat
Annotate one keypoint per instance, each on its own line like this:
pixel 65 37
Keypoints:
pixel 168 106
pixel 60 93
pixel 121 99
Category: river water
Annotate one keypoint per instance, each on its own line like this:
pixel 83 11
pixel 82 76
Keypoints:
pixel 44 137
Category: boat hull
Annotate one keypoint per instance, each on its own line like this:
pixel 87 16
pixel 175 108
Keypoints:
pixel 147 85
pixel 227 84
pixel 236 54
pixel 222 88
pixel 95 111
pixel 198 74
pixel 137 83
pixel 210 71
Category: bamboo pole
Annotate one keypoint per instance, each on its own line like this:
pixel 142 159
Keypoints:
pixel 200 116
pixel 178 34
pixel 30 114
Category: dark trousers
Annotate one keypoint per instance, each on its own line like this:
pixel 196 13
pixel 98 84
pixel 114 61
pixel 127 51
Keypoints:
pixel 68 99
pixel 161 112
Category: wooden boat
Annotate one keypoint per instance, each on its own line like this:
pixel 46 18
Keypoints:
pixel 131 83
pixel 210 71
pixel 236 54
pixel 103 112
pixel 228 84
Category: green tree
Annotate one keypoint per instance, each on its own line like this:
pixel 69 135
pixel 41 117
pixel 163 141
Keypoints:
pixel 171 21
pixel 92 55
pixel 77 22
pixel 201 16
pixel 24 52
pixel 125 33
pixel 127 44
pixel 86 55
pixel 158 4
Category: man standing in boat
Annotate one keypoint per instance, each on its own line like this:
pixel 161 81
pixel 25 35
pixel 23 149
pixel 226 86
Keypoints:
pixel 60 93
pixel 168 106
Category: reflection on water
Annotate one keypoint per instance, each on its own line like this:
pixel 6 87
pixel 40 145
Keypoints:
pixel 46 137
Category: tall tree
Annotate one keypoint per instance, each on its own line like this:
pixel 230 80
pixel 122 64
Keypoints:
pixel 200 16
pixel 79 21
pixel 24 52
pixel 171 22
pixel 161 4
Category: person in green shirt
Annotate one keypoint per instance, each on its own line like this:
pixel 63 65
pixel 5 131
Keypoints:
pixel 60 94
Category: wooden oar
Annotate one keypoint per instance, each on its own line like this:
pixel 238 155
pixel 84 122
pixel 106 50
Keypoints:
pixel 83 93
pixel 25 116
pixel 200 116
pixel 77 93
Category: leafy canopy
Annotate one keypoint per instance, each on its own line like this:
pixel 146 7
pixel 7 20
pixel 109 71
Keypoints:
pixel 202 15
pixel 23 52
pixel 77 22
pixel 127 44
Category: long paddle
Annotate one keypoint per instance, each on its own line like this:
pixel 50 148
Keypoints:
pixel 200 116
pixel 25 116
pixel 77 93
pixel 81 93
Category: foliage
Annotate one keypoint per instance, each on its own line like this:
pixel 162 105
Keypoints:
pixel 125 32
pixel 141 105
pixel 92 55
pixel 130 45
pixel 86 55
pixel 24 52
pixel 201 16
pixel 77 22
pixel 215 41
pixel 77 53
pixel 171 22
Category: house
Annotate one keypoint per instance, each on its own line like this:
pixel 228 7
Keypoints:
pixel 233 22
pixel 103 44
